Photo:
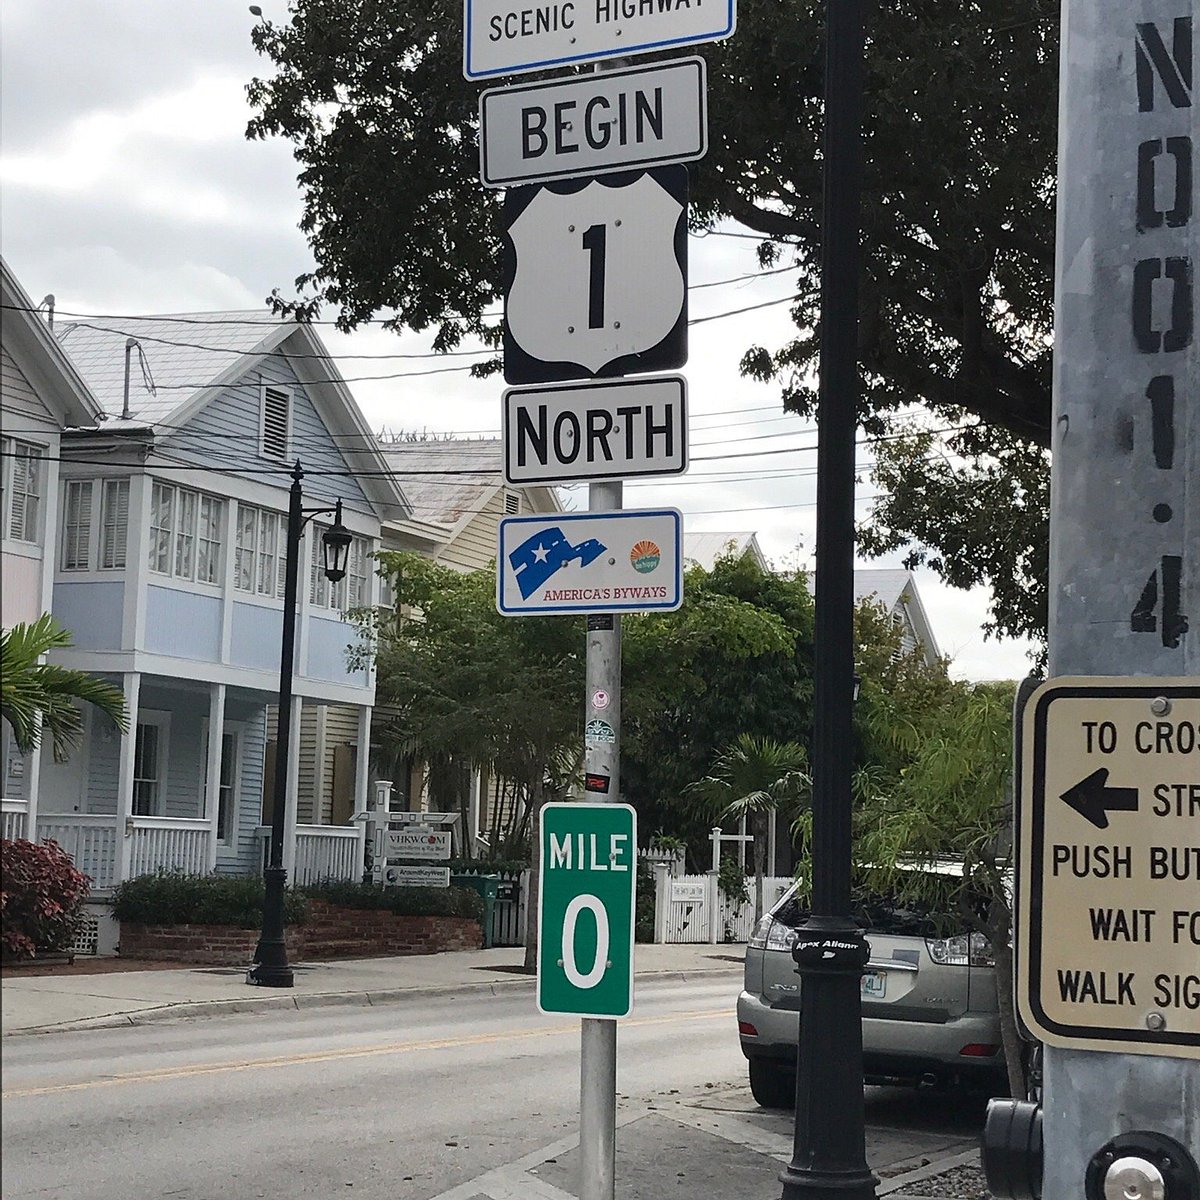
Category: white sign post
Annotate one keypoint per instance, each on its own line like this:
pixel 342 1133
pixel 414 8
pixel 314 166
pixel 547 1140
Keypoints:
pixel 627 561
pixel 617 429
pixel 504 39
pixel 593 124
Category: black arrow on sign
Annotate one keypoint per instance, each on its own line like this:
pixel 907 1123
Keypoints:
pixel 1093 799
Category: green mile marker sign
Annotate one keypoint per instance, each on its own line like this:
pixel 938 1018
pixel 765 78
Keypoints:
pixel 585 909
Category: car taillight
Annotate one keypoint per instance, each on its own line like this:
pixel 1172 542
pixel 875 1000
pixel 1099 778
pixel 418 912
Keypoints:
pixel 963 949
pixel 758 939
pixel 979 1050
pixel 746 1029
pixel 780 936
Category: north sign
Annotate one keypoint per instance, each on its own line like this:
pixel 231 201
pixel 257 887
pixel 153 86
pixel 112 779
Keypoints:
pixel 502 37
pixel 1108 867
pixel 626 561
pixel 595 277
pixel 586 909
pixel 618 429
pixel 593 124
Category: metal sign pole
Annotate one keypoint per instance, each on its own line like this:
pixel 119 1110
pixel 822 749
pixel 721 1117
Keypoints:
pixel 602 756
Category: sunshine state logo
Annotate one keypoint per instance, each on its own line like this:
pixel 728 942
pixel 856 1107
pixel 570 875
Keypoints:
pixel 645 556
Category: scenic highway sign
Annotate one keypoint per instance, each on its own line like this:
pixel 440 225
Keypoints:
pixel 586 909
pixel 595 277
pixel 593 124
pixel 626 561
pixel 617 429
pixel 1108 868
pixel 503 38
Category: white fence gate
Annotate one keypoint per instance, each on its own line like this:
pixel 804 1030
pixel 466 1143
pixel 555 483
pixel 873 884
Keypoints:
pixel 510 914
pixel 692 908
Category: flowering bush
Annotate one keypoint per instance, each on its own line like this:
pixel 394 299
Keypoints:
pixel 41 898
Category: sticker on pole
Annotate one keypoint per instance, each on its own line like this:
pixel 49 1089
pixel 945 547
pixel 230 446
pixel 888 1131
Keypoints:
pixel 588 858
pixel 1108 868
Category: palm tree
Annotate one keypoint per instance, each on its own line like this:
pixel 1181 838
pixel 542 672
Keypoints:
pixel 751 778
pixel 36 695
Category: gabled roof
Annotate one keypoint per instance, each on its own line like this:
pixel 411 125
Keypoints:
pixel 897 591
pixel 33 347
pixel 449 480
pixel 185 354
pixel 190 357
pixel 703 549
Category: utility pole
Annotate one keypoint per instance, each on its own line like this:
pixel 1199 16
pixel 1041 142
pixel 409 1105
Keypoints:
pixel 829 1155
pixel 1120 1115
pixel 1125 519
pixel 602 759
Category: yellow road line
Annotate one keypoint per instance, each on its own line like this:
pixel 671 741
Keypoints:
pixel 292 1060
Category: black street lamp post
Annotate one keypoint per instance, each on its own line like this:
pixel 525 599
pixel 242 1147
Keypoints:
pixel 271 967
pixel 829 1154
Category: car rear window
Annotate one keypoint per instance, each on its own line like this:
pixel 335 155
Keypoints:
pixel 937 913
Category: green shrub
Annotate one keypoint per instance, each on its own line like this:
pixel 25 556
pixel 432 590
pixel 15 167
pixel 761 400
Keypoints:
pixel 41 898
pixel 405 901
pixel 172 898
pixel 643 921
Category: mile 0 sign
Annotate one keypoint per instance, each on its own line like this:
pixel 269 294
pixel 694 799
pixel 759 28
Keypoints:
pixel 595 277
pixel 586 909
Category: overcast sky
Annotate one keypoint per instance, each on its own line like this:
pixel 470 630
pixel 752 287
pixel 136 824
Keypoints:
pixel 128 187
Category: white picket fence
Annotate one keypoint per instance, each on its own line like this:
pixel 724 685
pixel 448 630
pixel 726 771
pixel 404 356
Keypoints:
pixel 692 908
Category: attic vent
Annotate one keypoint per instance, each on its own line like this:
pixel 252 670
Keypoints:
pixel 512 504
pixel 276 422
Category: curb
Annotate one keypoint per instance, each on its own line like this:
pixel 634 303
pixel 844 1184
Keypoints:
pixel 186 1009
pixel 897 1185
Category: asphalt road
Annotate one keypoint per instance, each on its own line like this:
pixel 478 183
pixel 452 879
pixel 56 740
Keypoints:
pixel 399 1102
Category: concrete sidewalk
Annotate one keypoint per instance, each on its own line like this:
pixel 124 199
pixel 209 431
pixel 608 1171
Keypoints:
pixel 45 1003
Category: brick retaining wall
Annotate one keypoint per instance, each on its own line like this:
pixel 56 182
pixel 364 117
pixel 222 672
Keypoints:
pixel 331 932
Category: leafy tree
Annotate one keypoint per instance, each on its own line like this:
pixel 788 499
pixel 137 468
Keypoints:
pixel 468 686
pixel 755 777
pixel 36 695
pixel 957 222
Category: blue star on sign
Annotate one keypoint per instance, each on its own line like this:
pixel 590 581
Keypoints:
pixel 537 558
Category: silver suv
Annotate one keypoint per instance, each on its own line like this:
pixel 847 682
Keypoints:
pixel 928 1003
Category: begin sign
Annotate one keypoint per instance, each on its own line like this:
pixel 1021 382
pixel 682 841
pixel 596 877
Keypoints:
pixel 586 908
pixel 1108 879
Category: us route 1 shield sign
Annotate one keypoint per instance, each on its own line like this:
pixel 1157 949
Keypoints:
pixel 593 124
pixel 595 277
pixel 502 37
pixel 617 429
pixel 586 909
pixel 1108 868
pixel 627 561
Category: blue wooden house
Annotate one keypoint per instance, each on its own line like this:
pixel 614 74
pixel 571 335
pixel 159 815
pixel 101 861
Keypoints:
pixel 169 571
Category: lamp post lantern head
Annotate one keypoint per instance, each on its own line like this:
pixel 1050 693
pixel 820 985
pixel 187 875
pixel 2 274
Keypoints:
pixel 335 546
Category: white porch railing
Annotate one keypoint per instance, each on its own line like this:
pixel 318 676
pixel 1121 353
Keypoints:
pixel 168 844
pixel 90 840
pixel 12 818
pixel 323 852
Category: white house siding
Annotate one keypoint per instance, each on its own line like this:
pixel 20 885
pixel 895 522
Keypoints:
pixel 21 587
pixel 18 393
pixel 475 544
pixel 228 427
pixel 244 857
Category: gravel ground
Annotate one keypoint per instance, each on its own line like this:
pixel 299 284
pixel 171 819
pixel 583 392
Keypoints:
pixel 959 1183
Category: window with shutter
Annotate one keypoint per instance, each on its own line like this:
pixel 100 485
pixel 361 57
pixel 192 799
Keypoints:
pixel 276 422
pixel 114 523
pixel 162 527
pixel 24 491
pixel 247 529
pixel 77 525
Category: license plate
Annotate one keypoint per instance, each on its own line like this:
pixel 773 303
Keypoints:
pixel 874 985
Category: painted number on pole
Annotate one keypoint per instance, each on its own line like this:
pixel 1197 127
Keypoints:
pixel 586 909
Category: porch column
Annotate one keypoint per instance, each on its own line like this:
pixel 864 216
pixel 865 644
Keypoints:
pixel 132 684
pixel 472 831
pixel 212 787
pixel 292 794
pixel 362 776
pixel 320 751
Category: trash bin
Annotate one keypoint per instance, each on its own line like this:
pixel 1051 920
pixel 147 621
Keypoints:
pixel 487 886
